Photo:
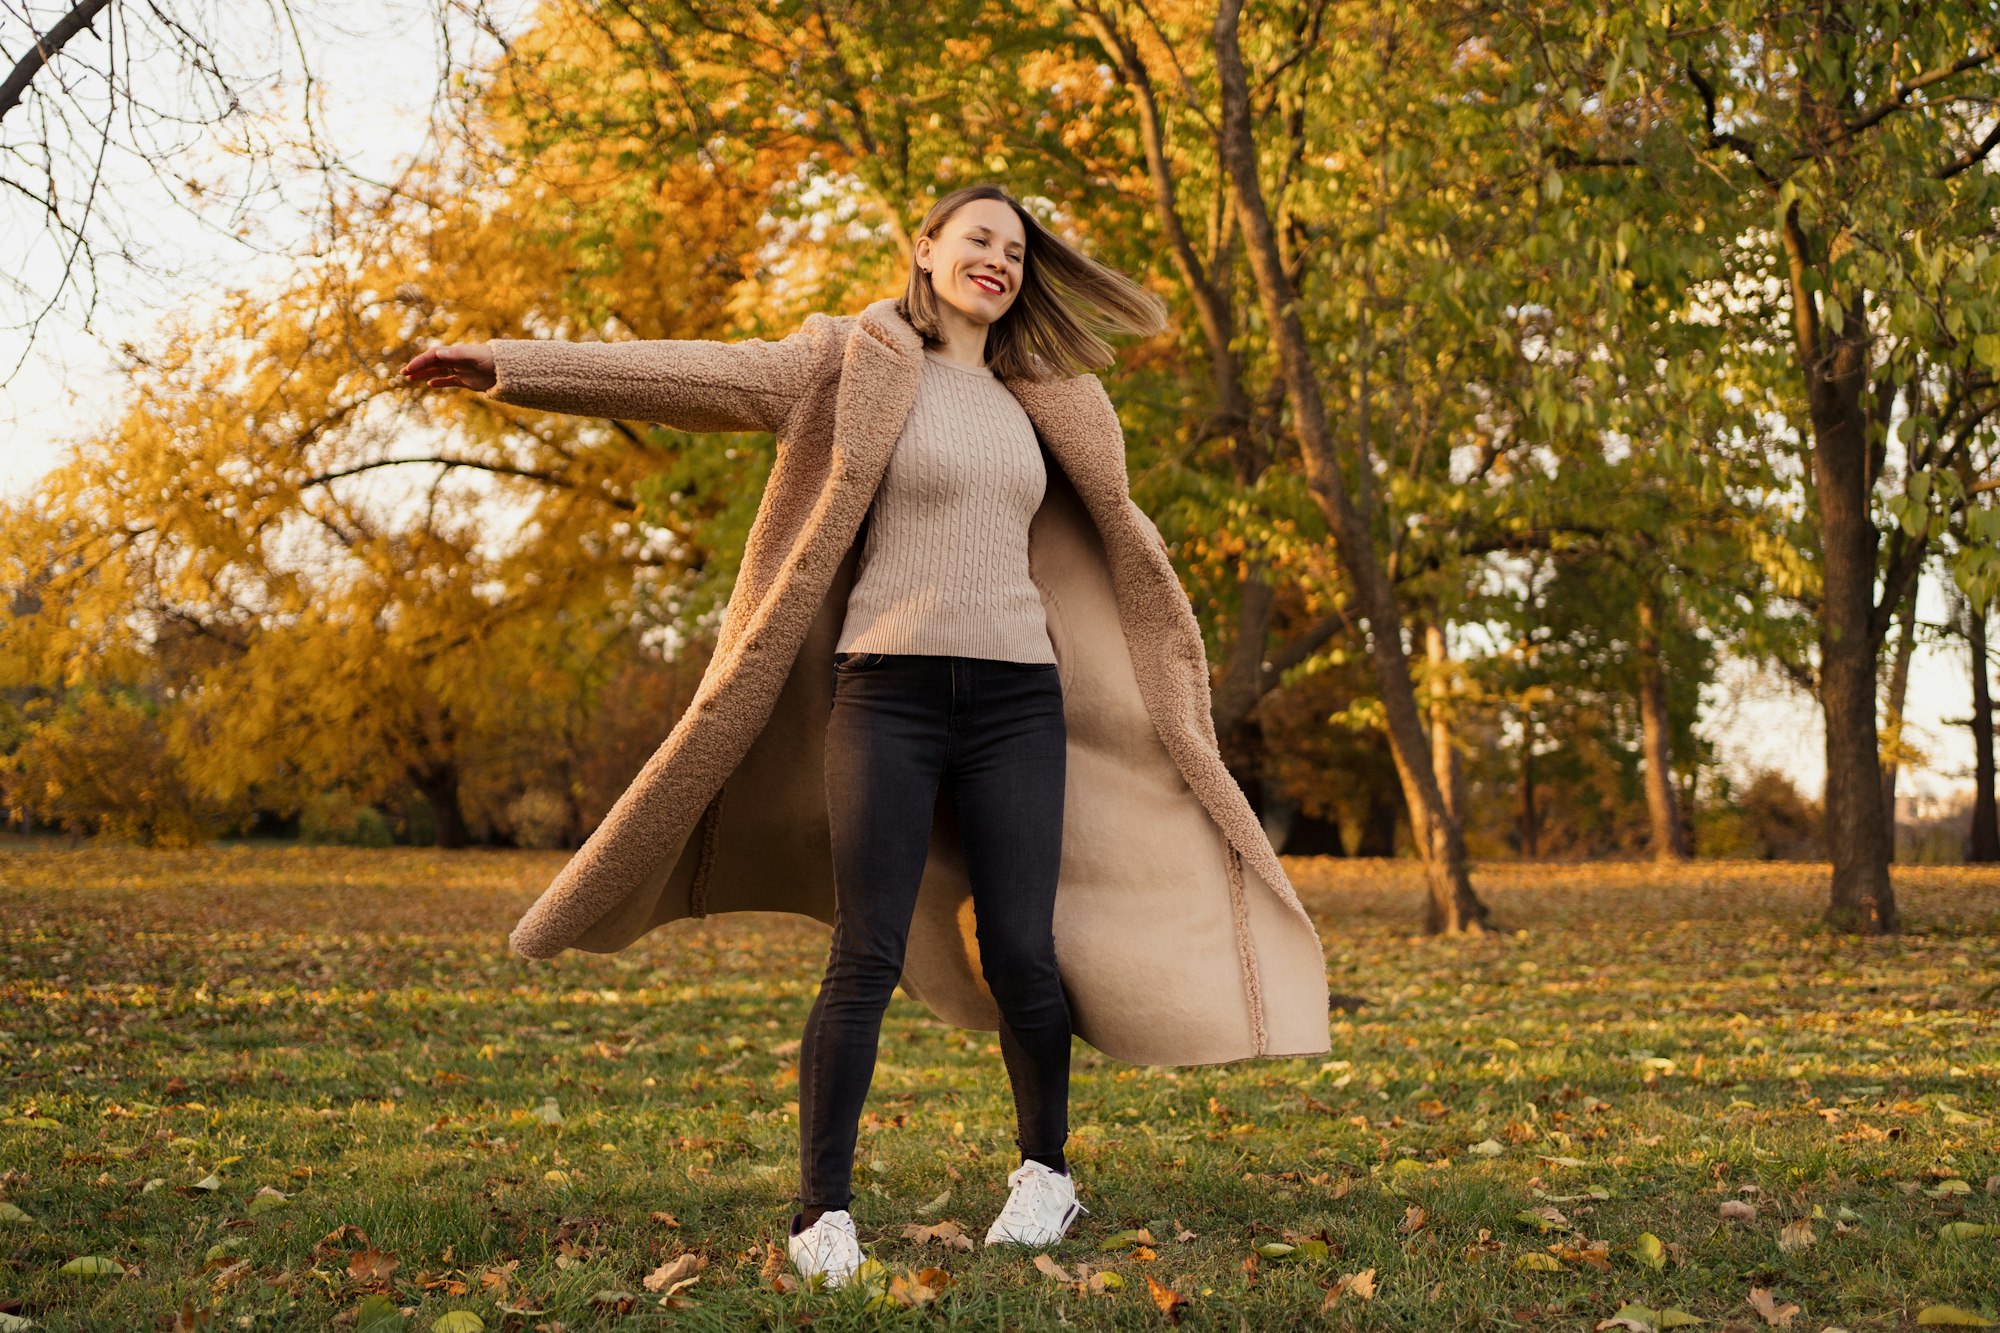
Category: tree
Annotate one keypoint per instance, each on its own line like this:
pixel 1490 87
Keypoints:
pixel 90 88
pixel 1838 154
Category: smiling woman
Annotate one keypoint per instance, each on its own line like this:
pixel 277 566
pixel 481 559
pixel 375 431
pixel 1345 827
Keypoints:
pixel 958 707
pixel 993 287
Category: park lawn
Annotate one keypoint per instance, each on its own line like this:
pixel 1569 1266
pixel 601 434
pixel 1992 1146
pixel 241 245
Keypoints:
pixel 461 1130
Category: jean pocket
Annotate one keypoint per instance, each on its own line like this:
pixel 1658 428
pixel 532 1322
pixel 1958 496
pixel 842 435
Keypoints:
pixel 852 662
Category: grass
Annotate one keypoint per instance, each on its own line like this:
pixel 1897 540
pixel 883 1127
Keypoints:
pixel 346 1028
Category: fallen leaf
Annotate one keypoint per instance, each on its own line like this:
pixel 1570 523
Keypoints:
pixel 1797 1234
pixel 93 1265
pixel 1543 1219
pixel 1362 1284
pixel 377 1314
pixel 1052 1268
pixel 671 1272
pixel 1967 1230
pixel 1737 1211
pixel 372 1264
pixel 1777 1314
pixel 1167 1299
pixel 1120 1239
pixel 1637 1318
pixel 1952 1315
pixel 918 1289
pixel 947 1233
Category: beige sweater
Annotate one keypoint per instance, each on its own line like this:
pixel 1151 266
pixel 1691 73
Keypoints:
pixel 944 569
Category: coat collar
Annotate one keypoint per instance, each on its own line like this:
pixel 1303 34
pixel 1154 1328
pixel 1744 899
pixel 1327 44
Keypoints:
pixel 1072 414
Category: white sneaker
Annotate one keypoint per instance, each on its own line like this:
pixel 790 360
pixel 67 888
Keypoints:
pixel 1039 1209
pixel 829 1247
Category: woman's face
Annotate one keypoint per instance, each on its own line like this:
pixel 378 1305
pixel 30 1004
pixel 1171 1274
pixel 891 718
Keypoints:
pixel 976 260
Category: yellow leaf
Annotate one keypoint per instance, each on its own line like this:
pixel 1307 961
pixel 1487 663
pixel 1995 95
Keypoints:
pixel 1952 1315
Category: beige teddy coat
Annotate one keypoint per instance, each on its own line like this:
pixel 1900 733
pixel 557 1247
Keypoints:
pixel 1179 937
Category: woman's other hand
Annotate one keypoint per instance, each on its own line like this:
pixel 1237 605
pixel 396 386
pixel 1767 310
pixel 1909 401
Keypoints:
pixel 453 366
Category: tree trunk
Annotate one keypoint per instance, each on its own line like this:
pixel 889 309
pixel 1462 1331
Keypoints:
pixel 1899 689
pixel 440 787
pixel 1670 842
pixel 1835 375
pixel 1446 762
pixel 1452 906
pixel 1985 841
pixel 1530 825
pixel 1378 824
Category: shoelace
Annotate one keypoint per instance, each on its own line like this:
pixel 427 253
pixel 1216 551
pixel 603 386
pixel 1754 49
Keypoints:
pixel 1022 1205
pixel 824 1244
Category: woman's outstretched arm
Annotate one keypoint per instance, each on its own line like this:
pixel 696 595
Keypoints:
pixel 693 384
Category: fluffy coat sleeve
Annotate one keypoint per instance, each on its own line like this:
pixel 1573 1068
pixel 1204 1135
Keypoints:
pixel 692 384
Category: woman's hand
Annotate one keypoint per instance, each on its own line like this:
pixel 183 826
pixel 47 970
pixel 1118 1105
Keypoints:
pixel 453 366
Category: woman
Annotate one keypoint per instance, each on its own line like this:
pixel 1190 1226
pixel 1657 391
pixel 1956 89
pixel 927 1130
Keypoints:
pixel 923 422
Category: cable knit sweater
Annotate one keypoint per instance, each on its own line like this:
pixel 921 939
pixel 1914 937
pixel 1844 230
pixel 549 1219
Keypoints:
pixel 944 568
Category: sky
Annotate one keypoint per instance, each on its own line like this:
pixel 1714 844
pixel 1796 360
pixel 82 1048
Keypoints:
pixel 376 64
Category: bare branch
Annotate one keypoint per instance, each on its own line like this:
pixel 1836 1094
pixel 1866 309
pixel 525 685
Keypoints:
pixel 45 48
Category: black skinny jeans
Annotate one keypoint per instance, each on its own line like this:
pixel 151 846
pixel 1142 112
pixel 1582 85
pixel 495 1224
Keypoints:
pixel 993 733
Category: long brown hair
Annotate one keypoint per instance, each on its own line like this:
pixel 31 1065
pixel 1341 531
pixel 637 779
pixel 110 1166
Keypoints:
pixel 1066 300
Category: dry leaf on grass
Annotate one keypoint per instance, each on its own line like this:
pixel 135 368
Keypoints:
pixel 1053 1269
pixel 947 1233
pixel 674 1274
pixel 919 1288
pixel 1777 1314
pixel 1167 1299
pixel 1359 1285
pixel 372 1265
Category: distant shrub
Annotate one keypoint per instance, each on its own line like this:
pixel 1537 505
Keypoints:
pixel 414 819
pixel 335 817
pixel 1769 820
pixel 98 765
pixel 540 818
